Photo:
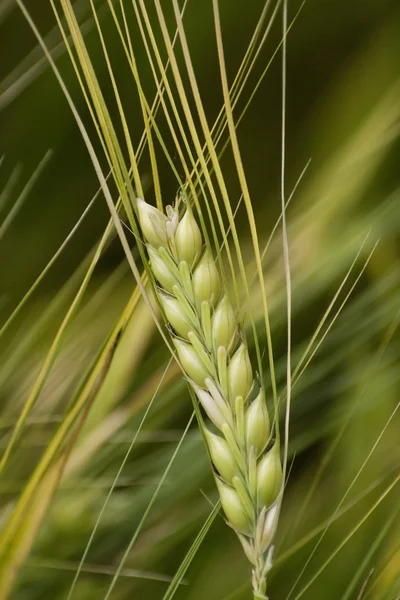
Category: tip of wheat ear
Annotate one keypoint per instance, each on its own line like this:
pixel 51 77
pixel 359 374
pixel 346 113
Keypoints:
pixel 248 472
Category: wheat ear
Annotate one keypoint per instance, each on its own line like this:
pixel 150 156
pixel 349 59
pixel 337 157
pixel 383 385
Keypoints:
pixel 214 356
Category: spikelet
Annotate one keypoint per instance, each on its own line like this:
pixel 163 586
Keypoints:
pixel 213 354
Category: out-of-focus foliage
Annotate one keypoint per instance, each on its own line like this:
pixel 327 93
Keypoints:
pixel 343 112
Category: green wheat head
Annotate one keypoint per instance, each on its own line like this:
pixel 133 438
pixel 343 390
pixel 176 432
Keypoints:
pixel 212 352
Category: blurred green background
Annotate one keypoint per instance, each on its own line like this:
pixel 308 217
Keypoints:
pixel 343 112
